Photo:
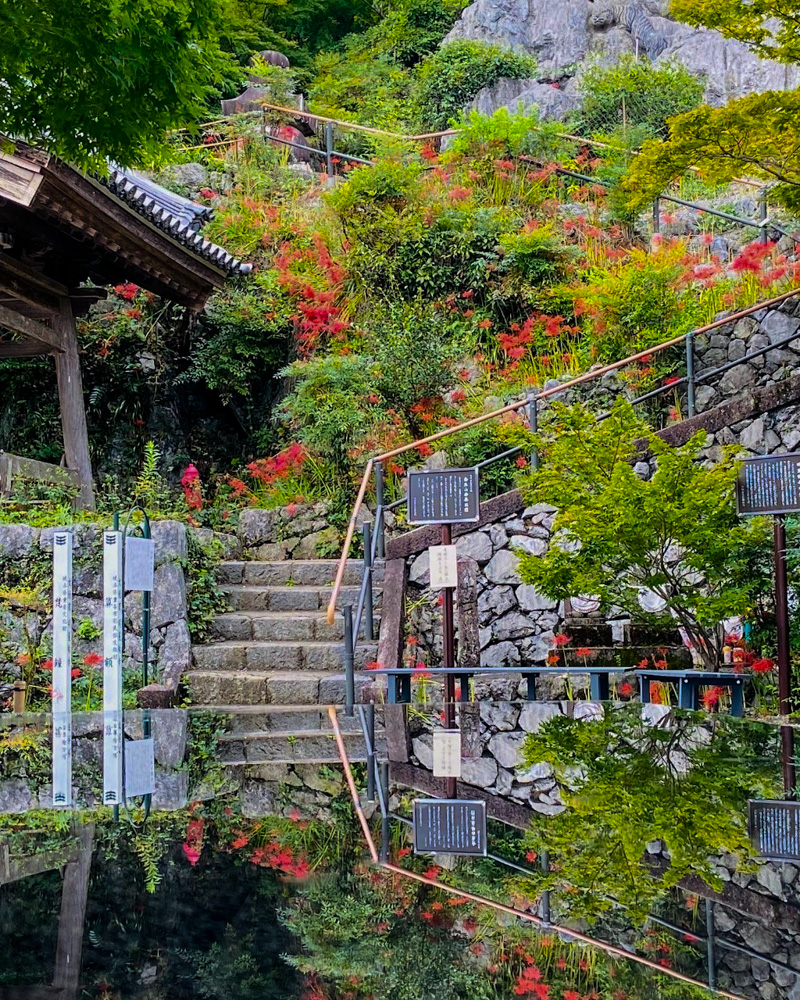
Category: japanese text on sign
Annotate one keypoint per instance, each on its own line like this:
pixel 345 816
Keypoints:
pixel 444 566
pixel 450 826
pixel 769 485
pixel 447 497
pixel 775 828
pixel 62 668
pixel 112 667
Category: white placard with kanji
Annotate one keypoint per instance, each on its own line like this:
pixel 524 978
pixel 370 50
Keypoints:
pixel 113 598
pixel 62 668
pixel 444 566
pixel 446 753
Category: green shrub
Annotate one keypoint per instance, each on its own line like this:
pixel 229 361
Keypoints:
pixel 634 92
pixel 328 405
pixel 413 29
pixel 415 352
pixel 449 79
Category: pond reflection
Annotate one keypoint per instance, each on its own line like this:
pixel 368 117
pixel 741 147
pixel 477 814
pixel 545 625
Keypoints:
pixel 253 880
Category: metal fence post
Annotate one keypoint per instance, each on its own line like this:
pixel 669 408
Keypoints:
pixel 712 958
pixel 369 624
pixel 380 550
pixel 384 779
pixel 371 760
pixel 656 215
pixel 329 151
pixel 545 860
pixel 762 217
pixel 690 403
pixel 349 662
pixel 533 420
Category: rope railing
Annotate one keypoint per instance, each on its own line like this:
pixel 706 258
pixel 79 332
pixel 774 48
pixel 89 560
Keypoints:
pixel 597 373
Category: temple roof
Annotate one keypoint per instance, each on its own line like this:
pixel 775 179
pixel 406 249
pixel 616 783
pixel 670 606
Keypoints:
pixel 73 228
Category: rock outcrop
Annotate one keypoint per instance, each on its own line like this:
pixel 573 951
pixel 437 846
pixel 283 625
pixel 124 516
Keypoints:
pixel 563 35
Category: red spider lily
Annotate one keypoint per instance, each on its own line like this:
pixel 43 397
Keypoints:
pixel 412 640
pixel 711 698
pixel 561 639
pixel 190 481
pixel 625 689
pixel 193 842
pixel 571 995
pixel 531 856
pixel 373 665
pixel 583 651
pixel 661 664
pixel 762 666
pixel 127 291
pixel 522 462
pixel 22 660
pixel 47 664
pixel 552 659
pixel 92 660
pixel 75 673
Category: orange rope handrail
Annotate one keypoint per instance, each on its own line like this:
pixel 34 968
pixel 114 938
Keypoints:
pixel 510 408
pixel 551 928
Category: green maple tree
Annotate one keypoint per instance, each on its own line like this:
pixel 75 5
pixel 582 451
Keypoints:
pixel 757 135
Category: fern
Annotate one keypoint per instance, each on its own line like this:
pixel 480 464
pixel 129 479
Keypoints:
pixel 149 852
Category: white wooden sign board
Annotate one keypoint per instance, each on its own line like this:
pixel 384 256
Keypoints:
pixel 444 566
pixel 62 668
pixel 140 561
pixel 446 753
pixel 112 667
pixel 140 774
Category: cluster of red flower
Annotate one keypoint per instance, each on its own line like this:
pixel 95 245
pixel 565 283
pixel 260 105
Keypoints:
pixel 286 463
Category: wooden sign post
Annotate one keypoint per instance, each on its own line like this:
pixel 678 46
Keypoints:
pixel 446 497
pixel 62 668
pixel 771 485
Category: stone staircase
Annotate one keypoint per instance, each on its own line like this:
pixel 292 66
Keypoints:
pixel 274 664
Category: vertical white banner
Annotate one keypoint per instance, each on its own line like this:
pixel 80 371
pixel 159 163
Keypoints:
pixel 112 667
pixel 62 668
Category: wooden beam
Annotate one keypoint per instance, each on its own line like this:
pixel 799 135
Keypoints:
pixel 31 328
pixel 23 349
pixel 73 412
pixel 74 893
pixel 12 466
pixel 32 276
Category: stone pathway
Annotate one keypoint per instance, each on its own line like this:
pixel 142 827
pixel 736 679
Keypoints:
pixel 274 663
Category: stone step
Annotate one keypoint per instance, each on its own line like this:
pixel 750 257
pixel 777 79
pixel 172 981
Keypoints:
pixel 245 687
pixel 277 747
pixel 266 598
pixel 257 656
pixel 294 572
pixel 280 626
pixel 279 718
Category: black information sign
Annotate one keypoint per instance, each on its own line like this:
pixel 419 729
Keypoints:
pixel 449 826
pixel 775 828
pixel 769 485
pixel 446 497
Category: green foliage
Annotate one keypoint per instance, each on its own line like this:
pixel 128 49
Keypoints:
pixel 634 93
pixel 767 26
pixel 204 597
pixel 626 782
pixel 450 78
pixel 756 135
pixel 409 30
pixel 204 764
pixel 325 405
pixel 149 851
pixel 105 79
pixel 533 257
pixel 414 353
pixel 243 339
pixel 150 489
pixel 616 536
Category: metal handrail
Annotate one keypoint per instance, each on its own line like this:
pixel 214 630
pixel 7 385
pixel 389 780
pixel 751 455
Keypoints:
pixel 589 376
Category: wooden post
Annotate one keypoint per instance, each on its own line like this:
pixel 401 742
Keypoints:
pixel 73 413
pixel 74 893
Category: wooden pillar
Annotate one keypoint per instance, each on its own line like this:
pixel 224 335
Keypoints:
pixel 74 893
pixel 73 413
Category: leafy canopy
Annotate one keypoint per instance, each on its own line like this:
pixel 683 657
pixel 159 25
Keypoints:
pixel 99 79
pixel 627 782
pixel 675 536
pixel 757 135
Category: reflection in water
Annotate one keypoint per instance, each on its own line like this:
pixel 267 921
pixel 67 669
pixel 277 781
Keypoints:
pixel 206 903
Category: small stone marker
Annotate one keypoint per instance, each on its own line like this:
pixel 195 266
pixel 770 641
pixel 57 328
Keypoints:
pixel 140 775
pixel 450 826
pixel 443 566
pixel 469 718
pixel 446 753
